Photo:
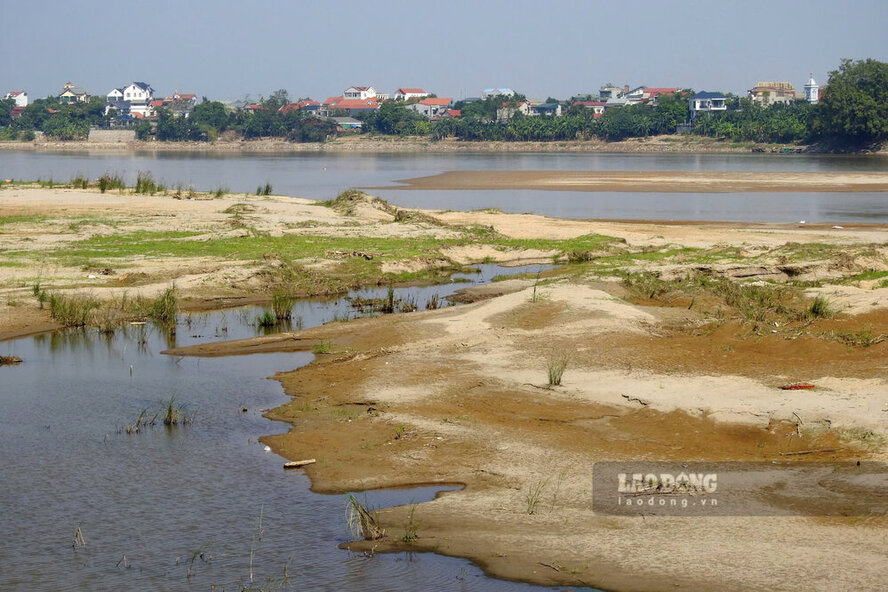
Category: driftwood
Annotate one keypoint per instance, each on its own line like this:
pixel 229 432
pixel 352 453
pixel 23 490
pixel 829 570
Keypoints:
pixel 10 360
pixel 298 464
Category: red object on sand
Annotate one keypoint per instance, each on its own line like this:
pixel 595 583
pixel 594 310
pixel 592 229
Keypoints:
pixel 797 386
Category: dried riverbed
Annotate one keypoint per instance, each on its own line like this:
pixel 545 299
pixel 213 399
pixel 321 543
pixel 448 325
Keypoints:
pixel 662 365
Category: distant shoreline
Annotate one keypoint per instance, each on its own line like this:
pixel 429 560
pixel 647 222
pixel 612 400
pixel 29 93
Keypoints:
pixel 659 144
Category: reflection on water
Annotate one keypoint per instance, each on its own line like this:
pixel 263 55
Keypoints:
pixel 178 507
pixel 322 176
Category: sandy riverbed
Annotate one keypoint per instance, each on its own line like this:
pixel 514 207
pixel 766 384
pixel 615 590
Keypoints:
pixel 460 394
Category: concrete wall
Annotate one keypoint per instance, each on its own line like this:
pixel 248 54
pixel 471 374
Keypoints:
pixel 98 136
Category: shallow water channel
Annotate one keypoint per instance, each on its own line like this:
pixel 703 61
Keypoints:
pixel 190 507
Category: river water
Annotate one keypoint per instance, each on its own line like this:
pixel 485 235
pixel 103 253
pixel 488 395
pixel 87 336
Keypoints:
pixel 323 176
pixel 179 508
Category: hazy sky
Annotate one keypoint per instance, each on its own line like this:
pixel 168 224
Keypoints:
pixel 225 49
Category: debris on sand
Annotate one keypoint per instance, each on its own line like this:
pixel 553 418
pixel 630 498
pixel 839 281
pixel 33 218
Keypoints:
pixel 797 386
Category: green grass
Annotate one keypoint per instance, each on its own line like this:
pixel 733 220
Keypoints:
pixel 266 319
pixel 4 220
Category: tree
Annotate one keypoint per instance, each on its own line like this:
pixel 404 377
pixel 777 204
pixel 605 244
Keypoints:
pixel 853 108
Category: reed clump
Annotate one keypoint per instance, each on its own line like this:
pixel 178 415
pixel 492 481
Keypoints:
pixel 362 523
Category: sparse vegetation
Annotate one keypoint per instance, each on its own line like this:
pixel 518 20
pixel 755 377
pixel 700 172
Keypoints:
pixel 556 364
pixel 108 181
pixel 534 495
pixel 145 183
pixel 410 526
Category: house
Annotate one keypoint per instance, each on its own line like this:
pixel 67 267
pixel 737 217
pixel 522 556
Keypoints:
pixel 496 92
pixel 73 94
pixel 609 91
pixel 138 95
pixel 360 93
pixel 432 107
pixel 138 92
pixel 770 93
pixel 452 113
pixel 550 109
pixel 643 94
pixel 19 96
pixel 596 106
pixel 405 94
pixel 120 107
pixel 347 123
pixel 707 102
pixel 304 105
pixel 355 106
pixel 620 101
pixel 508 110
pixel 16 112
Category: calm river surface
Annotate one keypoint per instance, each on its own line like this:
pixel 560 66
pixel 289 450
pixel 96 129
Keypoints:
pixel 323 176
pixel 178 508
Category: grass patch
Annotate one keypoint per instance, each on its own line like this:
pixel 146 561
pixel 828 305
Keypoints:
pixel 282 305
pixel 267 319
pixel 71 310
pixel 165 307
pixel 324 347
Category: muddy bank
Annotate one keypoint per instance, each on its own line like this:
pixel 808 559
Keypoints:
pixel 660 181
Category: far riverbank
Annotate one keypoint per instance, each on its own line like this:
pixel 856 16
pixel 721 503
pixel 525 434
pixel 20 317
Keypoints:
pixel 659 144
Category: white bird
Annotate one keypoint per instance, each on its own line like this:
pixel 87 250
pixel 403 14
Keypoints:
pixel 801 221
pixel 268 449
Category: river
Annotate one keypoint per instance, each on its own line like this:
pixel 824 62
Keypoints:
pixel 323 176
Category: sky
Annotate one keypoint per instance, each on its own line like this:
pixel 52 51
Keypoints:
pixel 228 49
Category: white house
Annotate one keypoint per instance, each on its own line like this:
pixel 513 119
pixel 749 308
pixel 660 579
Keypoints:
pixel 707 102
pixel 431 107
pixel 138 92
pixel 405 94
pixel 139 96
pixel 360 92
pixel 19 96
pixel 115 95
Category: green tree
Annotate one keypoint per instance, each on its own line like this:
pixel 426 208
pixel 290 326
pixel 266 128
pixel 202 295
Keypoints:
pixel 853 107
